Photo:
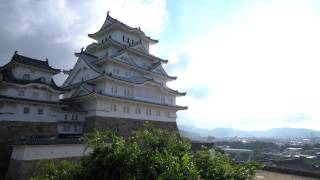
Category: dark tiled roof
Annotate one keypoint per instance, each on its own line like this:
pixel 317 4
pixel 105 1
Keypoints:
pixel 73 107
pixel 126 98
pixel 30 100
pixel 7 76
pixel 114 21
pixel 154 65
pixel 141 80
pixel 133 64
pixel 125 47
pixel 33 62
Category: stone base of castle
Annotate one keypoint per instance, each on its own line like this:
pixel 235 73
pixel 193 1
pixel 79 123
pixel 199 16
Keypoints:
pixel 12 131
pixel 123 127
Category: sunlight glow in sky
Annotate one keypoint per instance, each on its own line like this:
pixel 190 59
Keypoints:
pixel 244 64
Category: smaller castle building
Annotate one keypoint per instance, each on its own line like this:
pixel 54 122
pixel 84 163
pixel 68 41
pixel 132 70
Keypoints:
pixel 28 93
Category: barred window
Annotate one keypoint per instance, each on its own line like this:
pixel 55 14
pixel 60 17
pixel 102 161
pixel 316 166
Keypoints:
pixel 26 110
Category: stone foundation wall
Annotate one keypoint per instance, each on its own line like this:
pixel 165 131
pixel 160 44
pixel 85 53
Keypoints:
pixel 11 131
pixel 123 127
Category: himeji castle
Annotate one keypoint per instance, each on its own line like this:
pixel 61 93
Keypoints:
pixel 115 84
pixel 119 83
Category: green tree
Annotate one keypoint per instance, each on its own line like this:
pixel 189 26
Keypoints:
pixel 149 154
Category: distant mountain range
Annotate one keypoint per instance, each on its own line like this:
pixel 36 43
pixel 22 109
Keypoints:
pixel 230 132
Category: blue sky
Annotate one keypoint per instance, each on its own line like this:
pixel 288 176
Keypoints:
pixel 244 64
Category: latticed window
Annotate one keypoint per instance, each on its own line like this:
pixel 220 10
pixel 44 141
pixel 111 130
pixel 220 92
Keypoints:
pixel 148 112
pixel 158 113
pixel 66 128
pixel 20 92
pixel 114 90
pixel 40 111
pixel 43 79
pixel 26 77
pixel 168 114
pixel 138 110
pixel 116 71
pixel 126 92
pixel 113 107
pixel 26 110
pixel 128 74
pixel 162 99
pixel 35 95
pixel 126 109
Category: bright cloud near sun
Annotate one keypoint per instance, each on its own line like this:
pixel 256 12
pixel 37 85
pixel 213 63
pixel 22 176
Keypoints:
pixel 261 70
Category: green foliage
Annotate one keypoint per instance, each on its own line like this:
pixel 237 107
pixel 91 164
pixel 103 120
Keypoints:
pixel 149 154
pixel 63 170
pixel 214 165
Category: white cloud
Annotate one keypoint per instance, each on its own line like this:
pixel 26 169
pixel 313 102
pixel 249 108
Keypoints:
pixel 261 68
pixel 150 15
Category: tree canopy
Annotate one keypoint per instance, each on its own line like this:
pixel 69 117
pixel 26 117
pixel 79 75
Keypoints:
pixel 150 153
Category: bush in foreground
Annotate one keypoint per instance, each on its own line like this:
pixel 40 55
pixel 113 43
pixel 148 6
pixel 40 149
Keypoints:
pixel 149 154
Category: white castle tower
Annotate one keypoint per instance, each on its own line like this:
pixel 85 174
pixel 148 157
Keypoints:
pixel 119 83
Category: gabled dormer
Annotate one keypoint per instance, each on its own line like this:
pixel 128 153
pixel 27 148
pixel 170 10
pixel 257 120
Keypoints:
pixel 83 70
pixel 125 58
pixel 157 68
pixel 138 46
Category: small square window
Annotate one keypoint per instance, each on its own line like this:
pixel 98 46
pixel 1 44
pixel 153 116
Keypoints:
pixel 43 79
pixel 148 112
pixel 20 92
pixel 114 90
pixel 114 108
pixel 40 111
pixel 35 95
pixel 26 77
pixel 66 128
pixel 126 109
pixel 138 110
pixel 26 110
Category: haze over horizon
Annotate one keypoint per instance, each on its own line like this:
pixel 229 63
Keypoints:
pixel 244 64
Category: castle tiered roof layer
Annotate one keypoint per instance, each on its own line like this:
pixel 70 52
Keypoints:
pixel 36 63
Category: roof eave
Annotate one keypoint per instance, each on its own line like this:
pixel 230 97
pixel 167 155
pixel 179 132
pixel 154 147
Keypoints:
pixel 134 100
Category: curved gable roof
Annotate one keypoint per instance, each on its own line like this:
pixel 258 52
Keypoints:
pixel 16 58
